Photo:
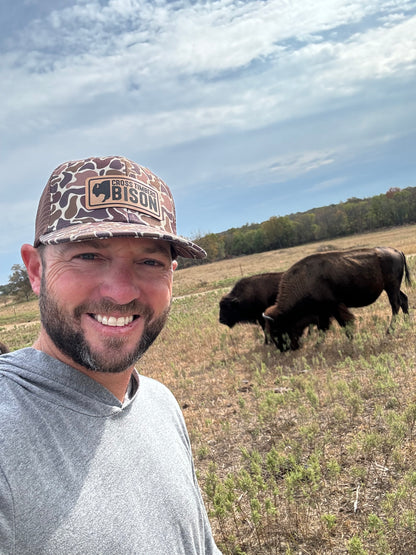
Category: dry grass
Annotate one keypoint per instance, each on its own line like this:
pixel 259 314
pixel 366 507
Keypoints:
pixel 309 452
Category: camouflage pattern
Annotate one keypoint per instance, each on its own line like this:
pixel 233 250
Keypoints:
pixel 129 200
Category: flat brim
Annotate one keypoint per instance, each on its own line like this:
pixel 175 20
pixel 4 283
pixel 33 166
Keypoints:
pixel 105 230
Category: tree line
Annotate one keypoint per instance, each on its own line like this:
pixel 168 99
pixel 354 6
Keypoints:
pixel 394 208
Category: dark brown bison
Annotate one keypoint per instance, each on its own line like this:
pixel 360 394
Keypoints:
pixel 324 285
pixel 3 348
pixel 248 299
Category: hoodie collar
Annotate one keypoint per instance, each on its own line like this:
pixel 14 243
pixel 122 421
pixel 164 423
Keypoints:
pixel 62 384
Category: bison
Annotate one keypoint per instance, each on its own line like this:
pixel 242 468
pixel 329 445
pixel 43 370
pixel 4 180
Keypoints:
pixel 324 285
pixel 248 299
pixel 3 348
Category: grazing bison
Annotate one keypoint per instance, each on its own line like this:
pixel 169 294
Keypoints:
pixel 324 285
pixel 248 299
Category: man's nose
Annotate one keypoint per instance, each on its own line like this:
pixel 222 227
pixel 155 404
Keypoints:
pixel 120 284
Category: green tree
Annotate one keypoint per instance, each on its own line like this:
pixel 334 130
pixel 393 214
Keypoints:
pixel 213 244
pixel 306 229
pixel 279 232
pixel 4 292
pixel 357 215
pixel 19 283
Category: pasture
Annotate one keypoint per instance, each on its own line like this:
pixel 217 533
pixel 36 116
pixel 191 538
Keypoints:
pixel 304 452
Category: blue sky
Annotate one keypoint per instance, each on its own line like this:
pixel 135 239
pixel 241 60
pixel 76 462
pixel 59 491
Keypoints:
pixel 247 109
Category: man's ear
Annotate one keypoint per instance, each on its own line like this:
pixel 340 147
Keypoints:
pixel 33 262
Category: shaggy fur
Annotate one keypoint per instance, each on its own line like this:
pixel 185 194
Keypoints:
pixel 324 285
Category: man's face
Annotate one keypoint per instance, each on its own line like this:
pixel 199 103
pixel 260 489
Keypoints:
pixel 104 302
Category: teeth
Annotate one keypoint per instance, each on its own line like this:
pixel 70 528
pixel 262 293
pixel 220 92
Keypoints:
pixel 113 321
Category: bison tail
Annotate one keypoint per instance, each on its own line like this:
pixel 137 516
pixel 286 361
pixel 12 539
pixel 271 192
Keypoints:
pixel 408 278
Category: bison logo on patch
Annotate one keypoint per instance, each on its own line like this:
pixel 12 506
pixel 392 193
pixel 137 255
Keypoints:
pixel 102 188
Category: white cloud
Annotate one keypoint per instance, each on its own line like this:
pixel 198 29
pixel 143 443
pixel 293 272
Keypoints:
pixel 326 184
pixel 264 91
pixel 171 56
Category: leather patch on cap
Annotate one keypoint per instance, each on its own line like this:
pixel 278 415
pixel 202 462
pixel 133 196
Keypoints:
pixel 122 192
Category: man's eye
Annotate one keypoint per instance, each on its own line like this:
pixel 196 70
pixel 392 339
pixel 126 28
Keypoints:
pixel 152 263
pixel 87 256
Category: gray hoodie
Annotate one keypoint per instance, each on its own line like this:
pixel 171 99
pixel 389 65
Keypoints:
pixel 83 474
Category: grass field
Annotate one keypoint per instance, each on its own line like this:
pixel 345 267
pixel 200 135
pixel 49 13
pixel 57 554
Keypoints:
pixel 306 452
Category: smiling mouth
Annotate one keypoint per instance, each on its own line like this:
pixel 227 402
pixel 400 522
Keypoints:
pixel 112 321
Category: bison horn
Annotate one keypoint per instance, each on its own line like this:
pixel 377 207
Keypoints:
pixel 267 317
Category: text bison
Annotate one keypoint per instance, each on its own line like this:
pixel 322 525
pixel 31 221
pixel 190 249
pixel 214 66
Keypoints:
pixel 324 285
pixel 248 299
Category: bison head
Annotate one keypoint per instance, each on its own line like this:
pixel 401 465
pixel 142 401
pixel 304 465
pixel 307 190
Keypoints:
pixel 283 336
pixel 229 311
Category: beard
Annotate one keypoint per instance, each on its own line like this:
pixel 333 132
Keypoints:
pixel 65 331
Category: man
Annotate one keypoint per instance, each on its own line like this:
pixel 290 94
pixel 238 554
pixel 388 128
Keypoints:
pixel 94 458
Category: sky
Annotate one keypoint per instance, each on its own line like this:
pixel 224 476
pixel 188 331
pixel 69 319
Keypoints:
pixel 247 109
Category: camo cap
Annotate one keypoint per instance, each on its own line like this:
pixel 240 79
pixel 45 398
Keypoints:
pixel 110 196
